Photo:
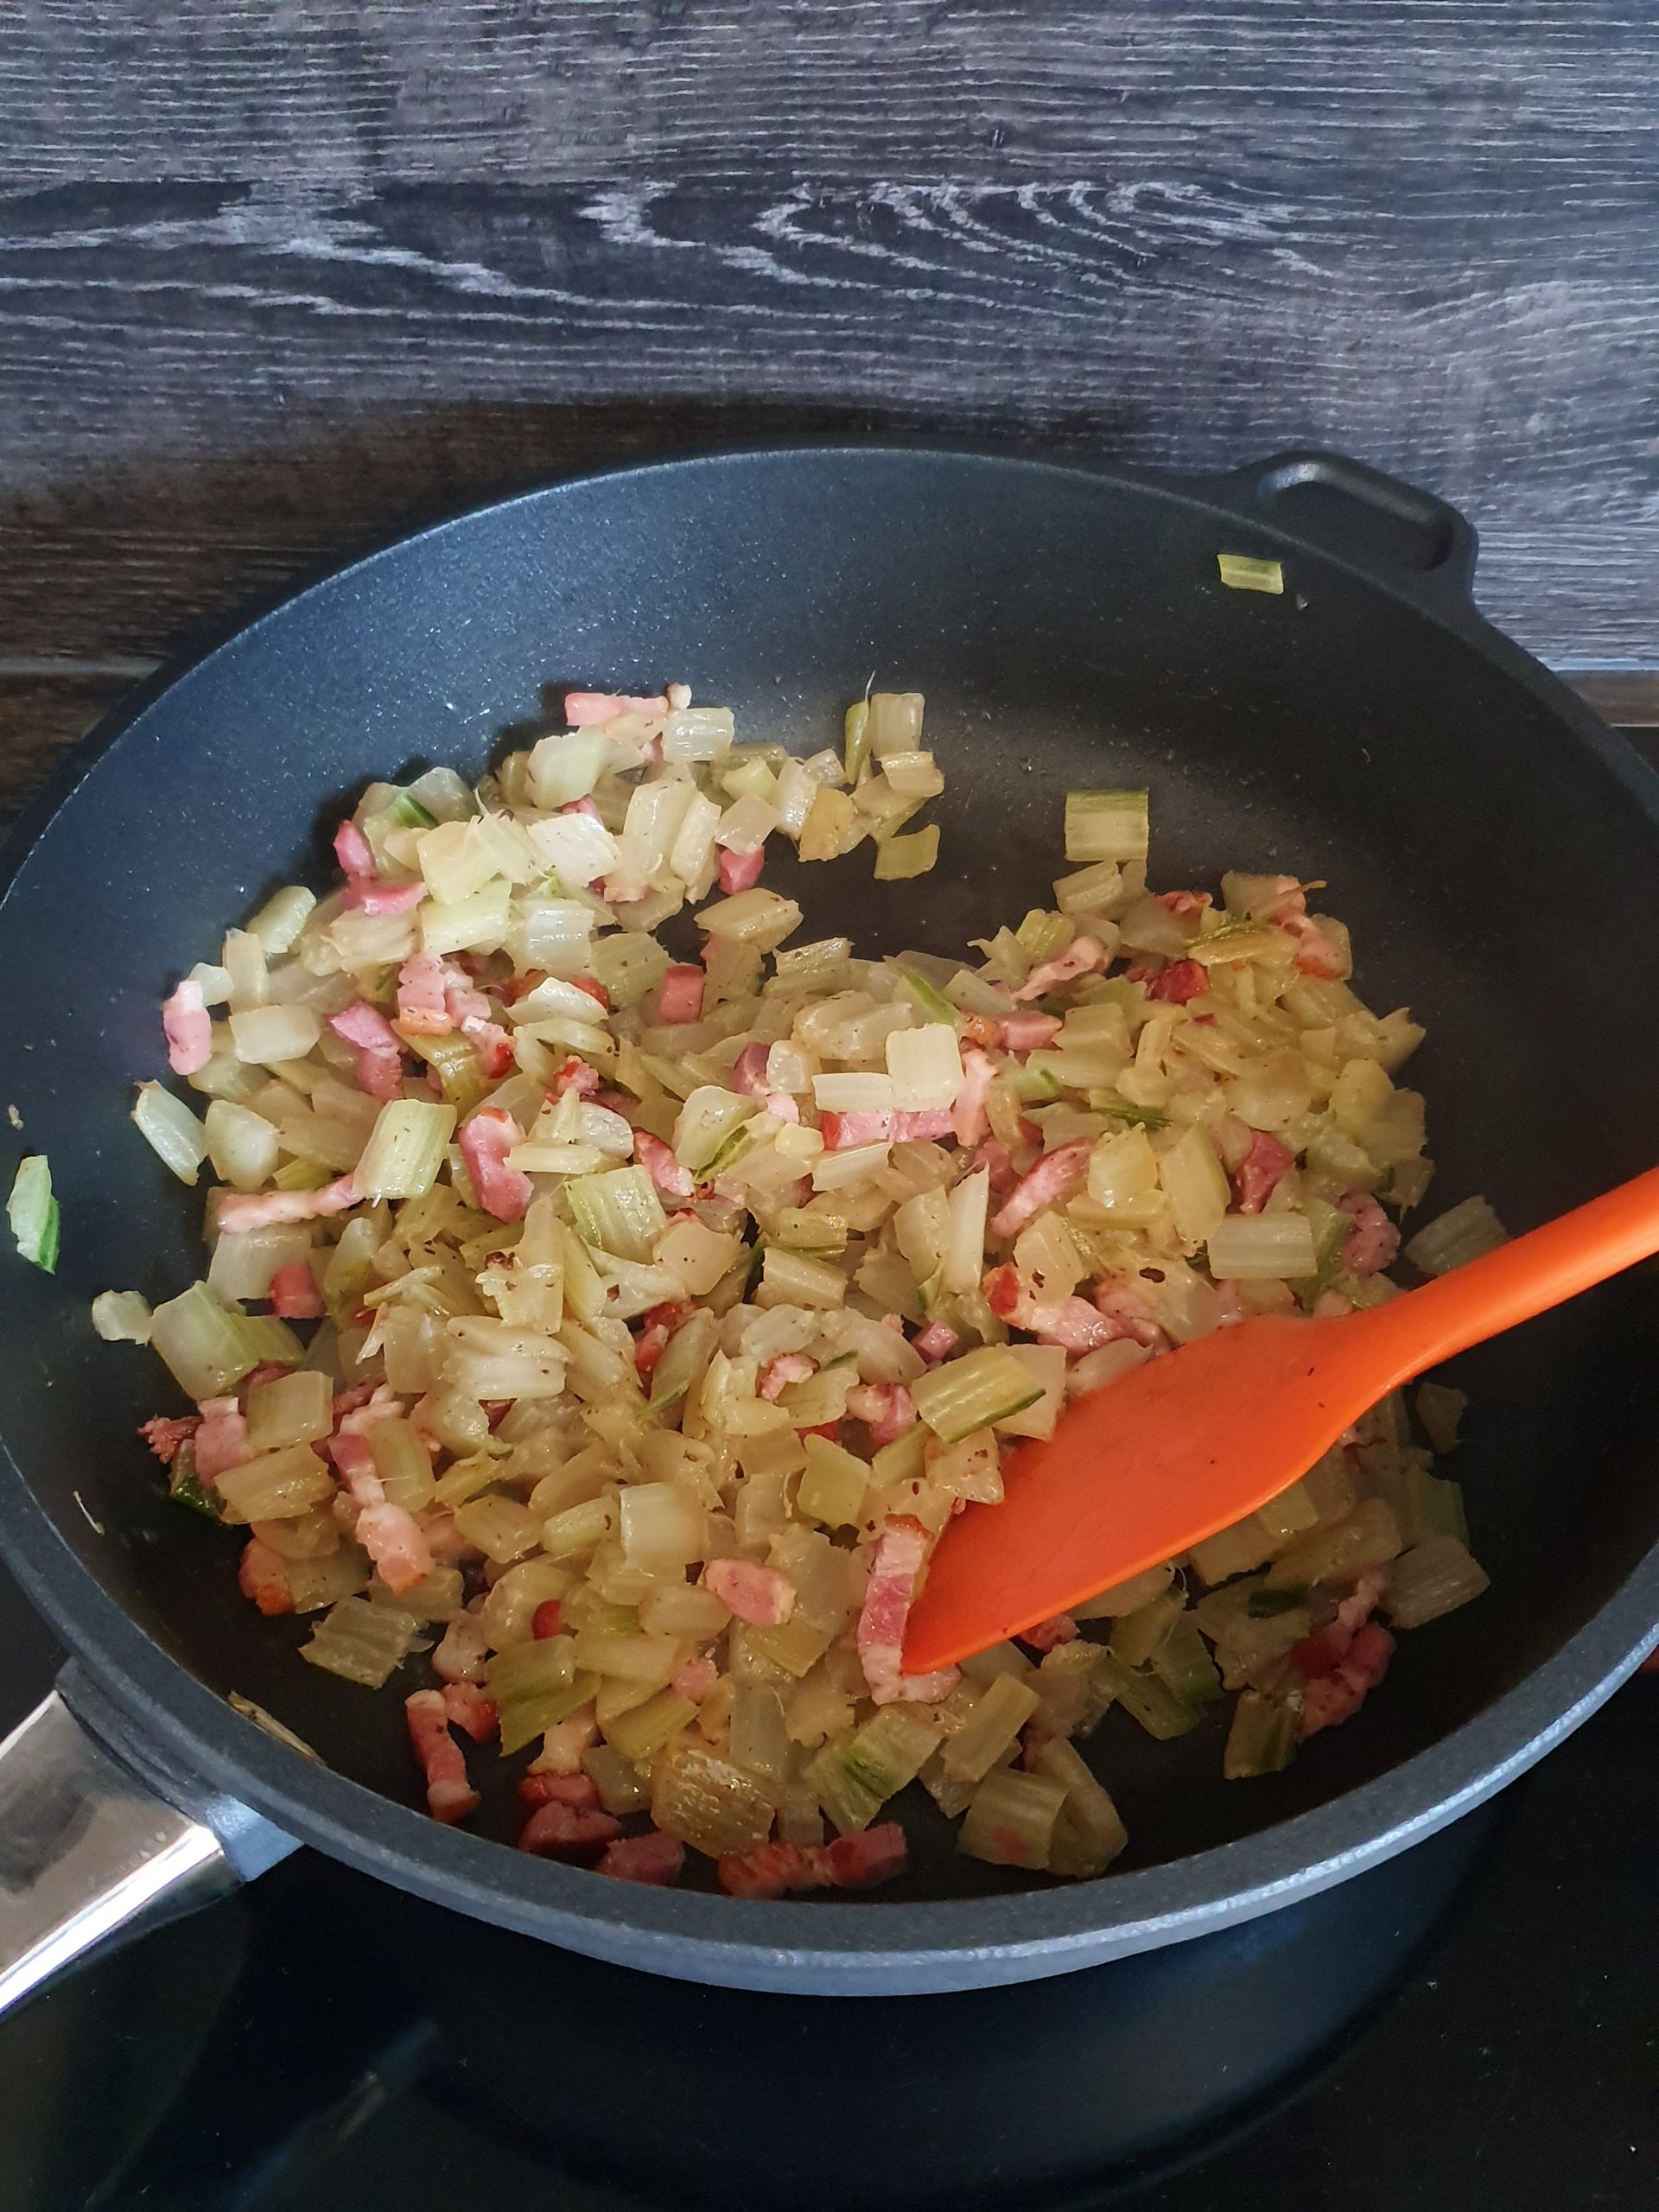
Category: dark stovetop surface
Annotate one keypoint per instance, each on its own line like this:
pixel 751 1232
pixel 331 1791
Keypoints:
pixel 316 2041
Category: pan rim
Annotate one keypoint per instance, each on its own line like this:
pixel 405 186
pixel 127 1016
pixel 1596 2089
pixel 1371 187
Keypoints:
pixel 828 1945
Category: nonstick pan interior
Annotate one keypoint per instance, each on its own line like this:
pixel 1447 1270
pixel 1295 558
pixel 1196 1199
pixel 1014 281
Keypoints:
pixel 1498 873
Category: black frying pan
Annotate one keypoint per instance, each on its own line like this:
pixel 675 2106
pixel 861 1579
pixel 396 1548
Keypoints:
pixel 1493 843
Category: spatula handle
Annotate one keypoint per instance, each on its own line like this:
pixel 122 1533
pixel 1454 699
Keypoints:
pixel 1522 1278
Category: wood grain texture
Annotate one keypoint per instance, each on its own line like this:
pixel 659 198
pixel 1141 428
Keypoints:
pixel 329 94
pixel 275 280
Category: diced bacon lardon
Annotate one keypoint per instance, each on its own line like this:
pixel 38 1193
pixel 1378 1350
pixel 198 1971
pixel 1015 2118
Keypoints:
pixel 1056 1175
pixel 1374 1242
pixel 593 709
pixel 294 1292
pixel 760 1595
pixel 888 1593
pixel 243 1210
pixel 188 1028
pixel 741 871
pixel 681 997
pixel 1085 955
pixel 654 1858
pixel 664 1170
pixel 1263 1168
pixel 485 1140
pixel 449 1795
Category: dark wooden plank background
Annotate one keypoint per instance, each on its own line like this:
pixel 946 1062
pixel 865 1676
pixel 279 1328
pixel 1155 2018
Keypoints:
pixel 275 279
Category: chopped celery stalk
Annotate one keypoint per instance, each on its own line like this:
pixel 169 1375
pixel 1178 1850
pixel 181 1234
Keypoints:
pixel 833 1485
pixel 1151 1702
pixel 278 1485
pixel 1107 826
pixel 855 738
pixel 297 1407
pixel 705 1124
pixel 1012 1819
pixel 404 811
pixel 1088 1833
pixel 983 1387
pixel 1072 1691
pixel 33 1210
pixel 121 1317
pixel 925 1065
pixel 1263 1737
pixel 1464 1233
pixel 1440 1409
pixel 1183 1666
pixel 1435 1577
pixel 931 1004
pixel 1116 1108
pixel 898 859
pixel 405 1149
pixel 618 1212
pixel 170 1129
pixel 630 964
pixel 1368 1537
pixel 1138 1635
pixel 854 1779
pixel 280 920
pixel 1423 1505
pixel 361 1641
pixel 209 1346
pixel 708 1802
pixel 640 1733
pixel 525 1718
pixel 1003 1710
pixel 1245 572
pixel 1196 1187
pixel 1249 1247
pixel 524 1670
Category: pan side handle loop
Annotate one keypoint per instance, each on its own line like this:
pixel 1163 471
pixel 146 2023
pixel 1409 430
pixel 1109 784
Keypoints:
pixel 92 1852
pixel 1399 533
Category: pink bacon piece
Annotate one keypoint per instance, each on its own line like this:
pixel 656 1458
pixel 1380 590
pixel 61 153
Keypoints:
pixel 843 1131
pixel 373 897
pixel 1072 1323
pixel 1054 1175
pixel 188 1028
pixel 900 1552
pixel 1182 981
pixel 1337 1695
pixel 968 1116
pixel 742 871
pixel 1373 1242
pixel 472 1710
pixel 422 1009
pixel 785 1368
pixel 935 1342
pixel 354 851
pixel 695 1679
pixel 486 1141
pixel 1049 1635
pixel 379 1054
pixel 243 1210
pixel 748 1073
pixel 1263 1167
pixel 654 1858
pixel 294 1294
pixel 164 1432
pixel 922 1124
pixel 449 1795
pixel 1134 1318
pixel 851 1862
pixel 576 1789
pixel 759 1595
pixel 262 1577
pixel 593 709
pixel 1025 1032
pixel 664 1170
pixel 1083 956
pixel 579 1832
pixel 992 1154
pixel 390 1535
pixel 681 997
pixel 222 1440
pixel 886 1409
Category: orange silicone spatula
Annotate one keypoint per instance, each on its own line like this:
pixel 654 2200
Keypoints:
pixel 1190 1443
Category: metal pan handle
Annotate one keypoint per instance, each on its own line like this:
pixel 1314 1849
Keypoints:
pixel 93 1851
pixel 1397 533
